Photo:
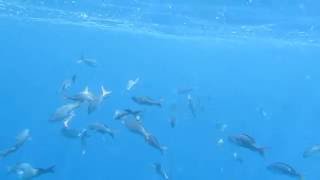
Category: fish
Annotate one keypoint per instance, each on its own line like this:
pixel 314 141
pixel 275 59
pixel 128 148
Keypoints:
pixel 246 141
pixel 132 83
pixel 284 169
pixel 26 171
pixel 66 84
pixel 121 114
pixel 144 100
pixel 21 139
pixel 191 106
pixel 65 112
pixel 312 151
pixel 161 171
pixel 72 133
pixel 96 102
pixel 101 128
pixel 153 142
pixel 83 96
pixel 136 127
pixel 89 62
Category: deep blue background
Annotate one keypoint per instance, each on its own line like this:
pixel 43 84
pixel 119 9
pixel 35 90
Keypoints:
pixel 231 78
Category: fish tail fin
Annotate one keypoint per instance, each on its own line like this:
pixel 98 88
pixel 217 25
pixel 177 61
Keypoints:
pixel 51 169
pixel 262 151
pixel 46 170
pixel 104 92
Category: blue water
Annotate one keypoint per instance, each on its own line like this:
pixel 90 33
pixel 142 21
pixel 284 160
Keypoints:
pixel 238 57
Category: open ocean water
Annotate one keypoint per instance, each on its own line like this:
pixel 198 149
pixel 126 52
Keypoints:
pixel 213 85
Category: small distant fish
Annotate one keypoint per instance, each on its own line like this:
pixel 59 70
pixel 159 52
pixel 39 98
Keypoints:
pixel 183 91
pixel 83 96
pixel 89 62
pixel 101 128
pixel 143 100
pixel 132 83
pixel 284 169
pixel 96 102
pixel 173 122
pixel 121 114
pixel 191 105
pixel 72 133
pixel 135 126
pixel 26 171
pixel 153 142
pixel 245 141
pixel 66 84
pixel 161 171
pixel 237 158
pixel 64 112
pixel 312 151
pixel 21 139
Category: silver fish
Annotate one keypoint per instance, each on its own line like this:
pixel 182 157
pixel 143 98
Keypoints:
pixel 143 100
pixel 245 141
pixel 66 84
pixel 89 62
pixel 284 169
pixel 312 151
pixel 26 171
pixel 136 127
pixel 64 112
pixel 101 128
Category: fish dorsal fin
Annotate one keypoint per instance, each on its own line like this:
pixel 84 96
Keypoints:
pixel 105 92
